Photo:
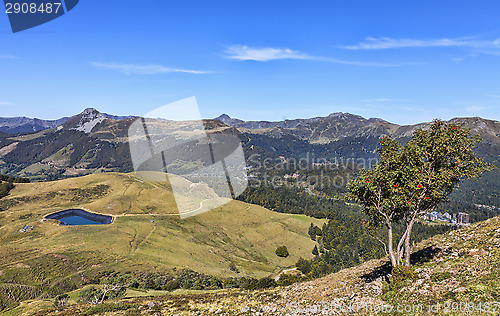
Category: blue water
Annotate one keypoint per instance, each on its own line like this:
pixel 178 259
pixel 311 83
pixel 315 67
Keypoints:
pixel 78 220
pixel 76 216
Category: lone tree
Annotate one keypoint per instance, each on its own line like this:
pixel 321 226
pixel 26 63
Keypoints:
pixel 282 252
pixel 410 180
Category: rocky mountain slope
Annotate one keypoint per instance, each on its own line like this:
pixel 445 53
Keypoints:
pixel 337 126
pixel 14 125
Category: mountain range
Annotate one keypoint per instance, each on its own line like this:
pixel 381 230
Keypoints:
pixel 93 142
pixel 22 124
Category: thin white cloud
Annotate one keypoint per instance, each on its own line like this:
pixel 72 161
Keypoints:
pixel 5 103
pixel 263 54
pixel 133 69
pixel 372 43
pixel 243 52
pixel 386 100
pixel 7 57
pixel 493 96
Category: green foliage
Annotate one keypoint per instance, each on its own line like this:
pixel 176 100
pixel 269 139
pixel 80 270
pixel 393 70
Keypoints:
pixel 6 184
pixel 320 268
pixel 97 191
pixel 61 300
pixel 403 272
pixel 303 265
pixel 290 278
pixel 294 200
pixel 108 307
pixel 282 252
pixel 410 180
pixel 249 283
pixel 93 294
pixel 215 283
pixel 233 267
pixel 13 179
pixel 5 188
pixel 318 231
pixel 265 283
pixel 312 232
pixel 438 277
pixel 12 294
pixel 315 250
pixel 89 294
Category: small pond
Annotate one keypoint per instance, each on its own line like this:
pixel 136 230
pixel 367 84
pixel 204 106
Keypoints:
pixel 77 216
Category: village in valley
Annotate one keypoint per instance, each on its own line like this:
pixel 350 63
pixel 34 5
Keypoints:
pixel 461 218
pixel 455 219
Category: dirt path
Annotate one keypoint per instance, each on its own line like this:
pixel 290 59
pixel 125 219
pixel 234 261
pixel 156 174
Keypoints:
pixel 145 239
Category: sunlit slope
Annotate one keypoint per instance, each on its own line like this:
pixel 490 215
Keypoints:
pixel 107 193
pixel 146 235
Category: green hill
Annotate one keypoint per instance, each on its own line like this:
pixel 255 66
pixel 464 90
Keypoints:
pixel 147 235
pixel 456 273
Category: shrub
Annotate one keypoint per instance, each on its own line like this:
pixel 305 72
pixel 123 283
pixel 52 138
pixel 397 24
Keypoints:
pixel 403 272
pixel 282 252
pixel 233 267
pixel 265 283
pixel 441 276
pixel 61 300
pixel 288 279
pixel 89 294
pixel 108 307
pixel 303 265
pixel 172 285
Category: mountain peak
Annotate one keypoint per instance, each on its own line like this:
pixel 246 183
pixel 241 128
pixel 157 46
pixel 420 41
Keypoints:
pixel 85 121
pixel 89 111
pixel 223 116
pixel 336 114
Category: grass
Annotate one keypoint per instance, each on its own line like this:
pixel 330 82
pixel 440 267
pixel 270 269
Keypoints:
pixel 147 234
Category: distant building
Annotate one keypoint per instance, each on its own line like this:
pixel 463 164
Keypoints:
pixel 432 216
pixel 463 218
pixel 26 229
pixel 447 216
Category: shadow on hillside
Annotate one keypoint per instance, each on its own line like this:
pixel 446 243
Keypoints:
pixel 418 257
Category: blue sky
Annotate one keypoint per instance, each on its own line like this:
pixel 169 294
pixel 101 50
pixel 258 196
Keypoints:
pixel 405 62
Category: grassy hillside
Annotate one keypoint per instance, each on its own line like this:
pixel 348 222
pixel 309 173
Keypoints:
pixel 461 266
pixel 147 234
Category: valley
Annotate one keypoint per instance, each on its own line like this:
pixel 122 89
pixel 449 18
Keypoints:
pixel 146 235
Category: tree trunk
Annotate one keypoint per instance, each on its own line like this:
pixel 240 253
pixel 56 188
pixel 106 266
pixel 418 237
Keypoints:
pixel 407 242
pixel 390 247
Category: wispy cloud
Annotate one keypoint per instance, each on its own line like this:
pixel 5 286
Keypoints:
pixel 263 54
pixel 372 43
pixel 5 103
pixel 493 96
pixel 243 52
pixel 386 100
pixel 7 57
pixel 133 69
